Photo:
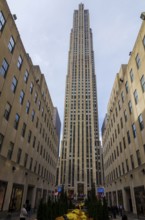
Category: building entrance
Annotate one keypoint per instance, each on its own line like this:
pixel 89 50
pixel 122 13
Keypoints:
pixel 80 191
pixel 128 199
pixel 38 197
pixel 120 198
pixel 3 187
pixel 29 196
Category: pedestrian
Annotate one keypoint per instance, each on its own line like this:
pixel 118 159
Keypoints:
pixel 120 209
pixel 23 213
pixel 28 208
pixel 114 212
pixel 124 217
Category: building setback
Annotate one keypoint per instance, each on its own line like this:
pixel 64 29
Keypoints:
pixel 80 163
pixel 28 135
pixel 123 134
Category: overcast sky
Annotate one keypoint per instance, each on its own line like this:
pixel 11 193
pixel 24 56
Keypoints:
pixel 45 27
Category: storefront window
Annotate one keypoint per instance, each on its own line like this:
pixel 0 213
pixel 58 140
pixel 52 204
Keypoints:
pixel 140 199
pixel 16 198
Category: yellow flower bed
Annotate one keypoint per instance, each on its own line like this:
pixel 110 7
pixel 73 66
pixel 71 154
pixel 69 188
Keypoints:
pixel 76 214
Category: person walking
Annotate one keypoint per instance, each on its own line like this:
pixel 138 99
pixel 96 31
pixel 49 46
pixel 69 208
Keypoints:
pixel 23 213
pixel 124 217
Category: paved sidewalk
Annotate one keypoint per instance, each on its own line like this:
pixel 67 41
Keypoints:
pixel 130 216
pixel 16 217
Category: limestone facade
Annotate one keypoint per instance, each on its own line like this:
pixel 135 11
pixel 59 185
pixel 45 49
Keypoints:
pixel 123 133
pixel 28 137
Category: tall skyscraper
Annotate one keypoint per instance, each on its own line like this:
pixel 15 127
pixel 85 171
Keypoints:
pixel 80 165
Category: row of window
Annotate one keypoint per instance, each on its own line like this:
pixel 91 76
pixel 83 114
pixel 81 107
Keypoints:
pixel 3 71
pixel 16 123
pixel 118 172
pixel 40 149
pixel 114 136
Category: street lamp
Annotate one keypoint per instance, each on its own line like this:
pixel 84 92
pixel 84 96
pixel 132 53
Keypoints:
pixel 142 16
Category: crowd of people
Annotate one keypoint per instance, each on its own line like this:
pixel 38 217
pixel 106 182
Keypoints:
pixel 117 210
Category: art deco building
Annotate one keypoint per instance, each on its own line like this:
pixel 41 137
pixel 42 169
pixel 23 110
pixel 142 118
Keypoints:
pixel 29 132
pixel 80 165
pixel 123 133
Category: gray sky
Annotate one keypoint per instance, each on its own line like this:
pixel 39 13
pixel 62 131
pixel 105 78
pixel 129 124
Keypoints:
pixel 45 27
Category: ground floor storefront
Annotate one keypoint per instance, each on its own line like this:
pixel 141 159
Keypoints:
pixel 20 186
pixel 128 192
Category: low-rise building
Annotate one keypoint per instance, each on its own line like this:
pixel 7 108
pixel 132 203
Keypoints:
pixel 123 133
pixel 28 137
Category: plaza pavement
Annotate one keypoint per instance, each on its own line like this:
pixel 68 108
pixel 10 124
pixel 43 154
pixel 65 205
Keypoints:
pixel 130 217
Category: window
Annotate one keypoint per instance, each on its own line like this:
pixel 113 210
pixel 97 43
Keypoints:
pixel 31 87
pixel 34 142
pixel 122 96
pixel 26 76
pixel 128 137
pixel 127 166
pixel 38 146
pixel 4 68
pixel 138 62
pixel 2 21
pixel 35 97
pixel 10 151
pixel 121 122
pixel 142 81
pixel 120 145
pixel 42 111
pixel 132 161
pixel 130 107
pixel 23 129
pixel 14 84
pixel 143 41
pixel 134 130
pixel 31 162
pixel 29 136
pixel 123 170
pixel 27 107
pixel 7 111
pixel 119 105
pixel 118 128
pixel 21 99
pixel 16 122
pixel 33 115
pixel 140 120
pixel 39 104
pixel 138 157
pixel 135 97
pixel 119 170
pixel 131 75
pixel 11 44
pixel 35 167
pixel 125 116
pixel 126 87
pixel 117 151
pixel 124 143
pixel 19 155
pixel 116 111
pixel 37 122
pixel 19 63
pixel 1 141
pixel 25 160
